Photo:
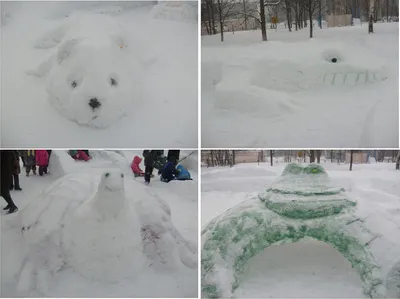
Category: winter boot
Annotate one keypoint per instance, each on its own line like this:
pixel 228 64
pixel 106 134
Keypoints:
pixel 7 207
pixel 13 209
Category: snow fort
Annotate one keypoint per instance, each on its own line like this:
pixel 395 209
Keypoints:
pixel 302 203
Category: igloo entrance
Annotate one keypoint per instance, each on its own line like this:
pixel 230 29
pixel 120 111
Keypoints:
pixel 304 269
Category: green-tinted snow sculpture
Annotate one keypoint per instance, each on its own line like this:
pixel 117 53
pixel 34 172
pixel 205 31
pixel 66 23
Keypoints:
pixel 305 192
pixel 301 203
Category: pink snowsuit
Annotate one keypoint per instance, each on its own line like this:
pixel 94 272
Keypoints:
pixel 135 166
pixel 42 158
pixel 81 155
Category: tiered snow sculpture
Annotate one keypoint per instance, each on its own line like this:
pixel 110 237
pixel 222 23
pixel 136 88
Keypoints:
pixel 302 203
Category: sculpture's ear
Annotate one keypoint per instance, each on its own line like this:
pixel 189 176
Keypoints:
pixel 65 50
pixel 51 39
pixel 120 41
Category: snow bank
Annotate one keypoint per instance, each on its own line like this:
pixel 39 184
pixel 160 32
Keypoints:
pixel 176 11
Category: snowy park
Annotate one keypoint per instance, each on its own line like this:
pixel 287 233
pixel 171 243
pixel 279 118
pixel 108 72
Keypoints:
pixel 88 227
pixel 90 74
pixel 296 229
pixel 337 89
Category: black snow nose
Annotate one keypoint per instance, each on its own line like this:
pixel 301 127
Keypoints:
pixel 94 103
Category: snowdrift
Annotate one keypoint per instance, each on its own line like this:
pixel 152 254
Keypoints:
pixel 102 228
pixel 301 204
pixel 176 11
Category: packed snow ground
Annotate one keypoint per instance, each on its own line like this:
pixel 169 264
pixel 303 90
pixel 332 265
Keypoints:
pixel 165 115
pixel 286 92
pixel 180 196
pixel 311 268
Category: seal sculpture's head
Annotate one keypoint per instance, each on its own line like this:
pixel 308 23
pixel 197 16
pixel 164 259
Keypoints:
pixel 92 81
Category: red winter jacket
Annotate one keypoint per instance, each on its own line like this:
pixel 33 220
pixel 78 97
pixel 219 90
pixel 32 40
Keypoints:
pixel 135 165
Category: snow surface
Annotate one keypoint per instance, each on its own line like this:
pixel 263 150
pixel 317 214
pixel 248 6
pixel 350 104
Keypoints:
pixel 147 236
pixel 155 70
pixel 321 271
pixel 289 87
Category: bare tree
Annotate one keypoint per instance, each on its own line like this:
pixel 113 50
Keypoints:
pixel 311 6
pixel 351 160
pixel 225 10
pixel 271 153
pixel 318 154
pixel 398 161
pixel 312 156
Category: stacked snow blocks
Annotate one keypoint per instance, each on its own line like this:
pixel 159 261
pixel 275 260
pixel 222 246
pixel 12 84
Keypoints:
pixel 234 237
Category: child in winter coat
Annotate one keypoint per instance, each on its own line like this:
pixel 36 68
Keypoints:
pixel 30 161
pixel 135 167
pixel 183 173
pixel 168 172
pixel 79 155
pixel 42 160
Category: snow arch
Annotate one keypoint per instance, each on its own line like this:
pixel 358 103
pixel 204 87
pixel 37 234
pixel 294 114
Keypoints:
pixel 236 238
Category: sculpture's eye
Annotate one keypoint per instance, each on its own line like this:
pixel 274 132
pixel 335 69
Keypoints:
pixel 107 175
pixel 113 82
pixel 74 84
pixel 122 175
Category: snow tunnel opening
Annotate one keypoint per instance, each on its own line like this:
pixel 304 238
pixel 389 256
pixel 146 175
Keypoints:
pixel 309 268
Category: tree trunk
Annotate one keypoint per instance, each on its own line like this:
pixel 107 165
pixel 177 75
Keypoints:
pixel 262 19
pixel 214 29
pixel 245 14
pixel 331 156
pixel 221 26
pixel 271 153
pixel 296 15
pixel 234 157
pixel 398 161
pixel 351 160
pixel 310 15
pixel 288 15
pixel 210 17
pixel 318 156
pixel 312 156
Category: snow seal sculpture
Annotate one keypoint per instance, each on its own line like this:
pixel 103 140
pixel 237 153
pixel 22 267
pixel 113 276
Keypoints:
pixel 93 74
pixel 300 204
pixel 92 226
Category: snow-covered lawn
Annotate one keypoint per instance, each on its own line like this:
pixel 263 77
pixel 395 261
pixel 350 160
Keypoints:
pixel 310 268
pixel 135 62
pixel 287 92
pixel 56 199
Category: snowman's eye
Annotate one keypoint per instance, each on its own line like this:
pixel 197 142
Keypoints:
pixel 113 82
pixel 122 175
pixel 74 84
pixel 107 174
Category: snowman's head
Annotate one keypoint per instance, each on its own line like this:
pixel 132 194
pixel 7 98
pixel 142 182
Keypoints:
pixel 110 197
pixel 112 181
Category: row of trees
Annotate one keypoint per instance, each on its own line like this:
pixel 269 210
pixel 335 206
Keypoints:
pixel 228 157
pixel 298 13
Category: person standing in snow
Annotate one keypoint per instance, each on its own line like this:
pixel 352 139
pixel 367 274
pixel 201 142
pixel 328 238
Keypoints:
pixel 150 157
pixel 30 161
pixel 6 165
pixel 42 160
pixel 14 183
pixel 136 168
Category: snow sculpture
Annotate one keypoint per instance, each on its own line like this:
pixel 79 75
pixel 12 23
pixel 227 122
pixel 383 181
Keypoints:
pixel 103 229
pixel 302 203
pixel 93 75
